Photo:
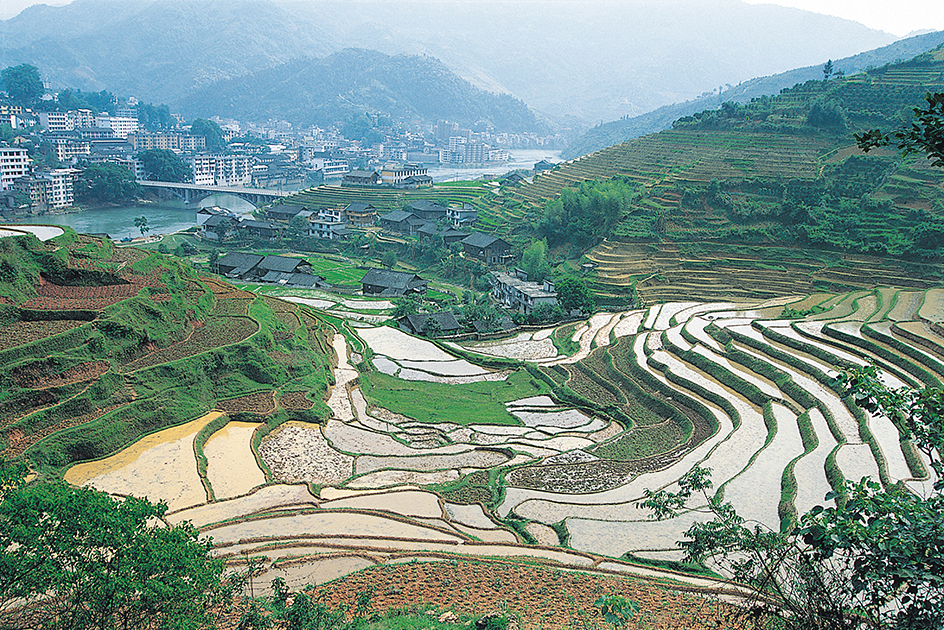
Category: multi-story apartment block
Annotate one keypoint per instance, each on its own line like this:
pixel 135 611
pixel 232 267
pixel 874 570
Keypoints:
pixel 393 174
pixel 120 125
pixel 35 189
pixel 145 141
pixel 56 121
pixel 14 163
pixel 221 170
pixel 83 118
pixel 59 194
pixel 67 150
pixel 191 144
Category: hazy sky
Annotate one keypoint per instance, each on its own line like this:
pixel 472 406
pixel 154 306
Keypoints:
pixel 898 17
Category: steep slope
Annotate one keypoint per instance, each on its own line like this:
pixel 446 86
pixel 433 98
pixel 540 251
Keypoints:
pixel 628 127
pixel 101 345
pixel 745 200
pixel 326 91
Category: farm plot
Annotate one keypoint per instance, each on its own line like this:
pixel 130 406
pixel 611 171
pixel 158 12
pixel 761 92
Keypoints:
pixel 406 468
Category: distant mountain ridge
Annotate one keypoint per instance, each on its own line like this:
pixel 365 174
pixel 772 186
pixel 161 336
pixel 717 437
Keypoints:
pixel 574 62
pixel 354 81
pixel 617 131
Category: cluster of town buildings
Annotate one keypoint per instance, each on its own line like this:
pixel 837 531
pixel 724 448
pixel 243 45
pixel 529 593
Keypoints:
pixel 421 219
pixel 285 156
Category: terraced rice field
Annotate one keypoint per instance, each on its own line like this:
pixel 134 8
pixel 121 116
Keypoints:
pixel 738 387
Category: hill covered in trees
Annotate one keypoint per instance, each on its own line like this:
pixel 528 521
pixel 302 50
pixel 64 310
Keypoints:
pixel 333 89
pixel 629 127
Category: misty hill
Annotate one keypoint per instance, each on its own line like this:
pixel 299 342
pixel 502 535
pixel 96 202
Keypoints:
pixel 627 128
pixel 328 91
pixel 570 60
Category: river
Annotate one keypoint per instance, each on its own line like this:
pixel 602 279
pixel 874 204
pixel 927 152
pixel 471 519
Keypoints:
pixel 163 217
pixel 169 216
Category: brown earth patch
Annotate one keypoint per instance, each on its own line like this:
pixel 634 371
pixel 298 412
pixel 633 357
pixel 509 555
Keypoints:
pixel 20 333
pixel 33 378
pixel 539 597
pixel 260 402
pixel 295 401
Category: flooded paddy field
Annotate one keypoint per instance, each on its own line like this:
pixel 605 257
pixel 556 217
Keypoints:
pixel 648 395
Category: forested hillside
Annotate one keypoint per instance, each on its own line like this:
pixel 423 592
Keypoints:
pixel 781 171
pixel 333 89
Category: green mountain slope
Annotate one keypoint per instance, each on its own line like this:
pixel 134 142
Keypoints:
pixel 781 174
pixel 327 91
pixel 610 133
pixel 101 345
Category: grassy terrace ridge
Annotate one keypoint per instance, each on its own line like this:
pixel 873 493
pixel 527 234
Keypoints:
pixel 119 365
pixel 388 199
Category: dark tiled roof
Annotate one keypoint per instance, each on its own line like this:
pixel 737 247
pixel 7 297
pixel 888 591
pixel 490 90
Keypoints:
pixel 358 206
pixel 239 260
pixel 397 216
pixel 391 279
pixel 447 321
pixel 477 239
pixel 424 205
pixel 281 264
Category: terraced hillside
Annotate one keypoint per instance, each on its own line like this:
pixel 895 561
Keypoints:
pixel 506 448
pixel 781 171
pixel 100 345
pixel 662 272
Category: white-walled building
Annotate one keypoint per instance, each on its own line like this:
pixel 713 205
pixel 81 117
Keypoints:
pixel 222 170
pixel 14 163
pixel 59 193
pixel 120 125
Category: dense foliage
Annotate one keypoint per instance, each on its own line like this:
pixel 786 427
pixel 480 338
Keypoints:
pixel 165 166
pixel 587 213
pixel 107 182
pixel 74 558
pixel 22 84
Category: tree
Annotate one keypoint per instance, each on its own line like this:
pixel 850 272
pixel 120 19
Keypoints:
pixel 210 131
pixel 107 182
pixel 389 259
pixel 164 165
pixel 827 70
pixel 22 84
pixel 873 559
pixel 534 261
pixel 142 224
pixel 573 295
pixel 75 558
pixel 925 135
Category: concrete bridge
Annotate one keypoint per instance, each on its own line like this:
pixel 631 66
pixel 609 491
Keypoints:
pixel 195 192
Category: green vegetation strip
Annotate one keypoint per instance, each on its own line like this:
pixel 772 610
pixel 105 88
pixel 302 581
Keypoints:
pixel 472 403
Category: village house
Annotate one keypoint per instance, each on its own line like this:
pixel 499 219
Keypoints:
pixel 489 249
pixel 428 210
pixel 518 293
pixel 215 227
pixel 237 264
pixel 384 282
pixel 360 214
pixel 430 324
pixel 261 229
pixel 361 178
pixel 448 234
pixel 283 212
pixel 462 216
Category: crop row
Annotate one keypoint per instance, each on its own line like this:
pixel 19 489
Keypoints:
pixel 215 333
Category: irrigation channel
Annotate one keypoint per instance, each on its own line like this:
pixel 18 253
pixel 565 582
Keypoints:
pixel 731 386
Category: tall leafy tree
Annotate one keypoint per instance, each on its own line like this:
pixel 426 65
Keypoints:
pixel 23 84
pixel 107 182
pixel 925 134
pixel 163 165
pixel 209 130
pixel 574 295
pixel 74 558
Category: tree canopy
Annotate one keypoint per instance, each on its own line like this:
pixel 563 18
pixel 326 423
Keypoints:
pixel 163 165
pixel 23 84
pixel 925 134
pixel 210 131
pixel 573 295
pixel 107 182
pixel 75 558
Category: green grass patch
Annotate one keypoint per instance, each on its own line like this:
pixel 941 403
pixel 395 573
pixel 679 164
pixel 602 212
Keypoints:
pixel 472 403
